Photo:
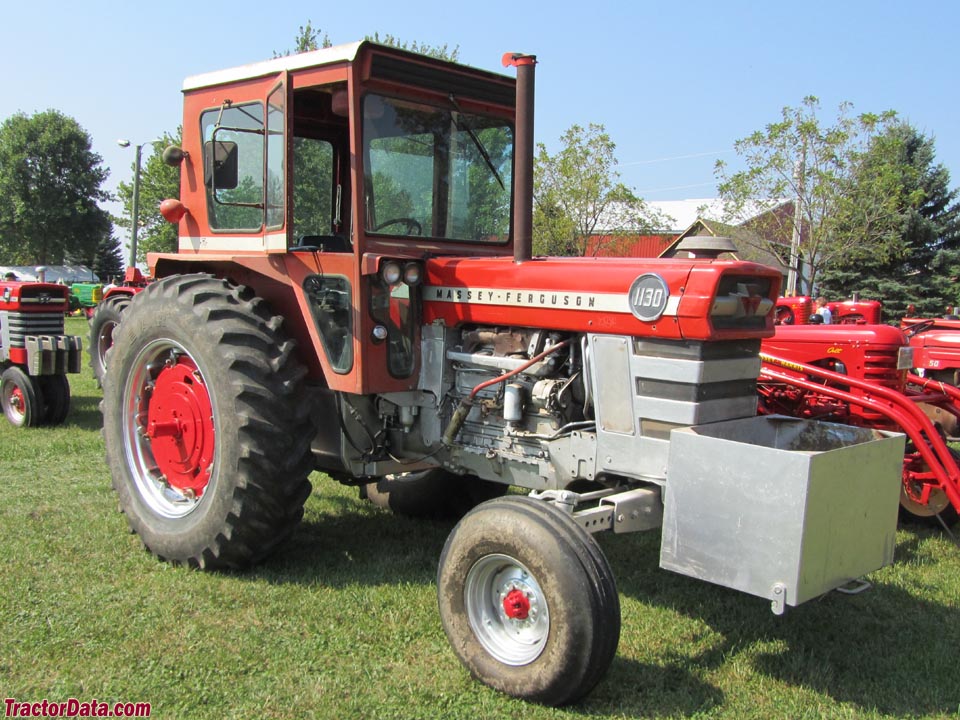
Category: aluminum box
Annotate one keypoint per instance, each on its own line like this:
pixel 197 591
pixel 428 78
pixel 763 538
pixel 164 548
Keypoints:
pixel 782 508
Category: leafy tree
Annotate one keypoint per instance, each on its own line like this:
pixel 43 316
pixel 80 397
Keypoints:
pixel 577 194
pixel 812 166
pixel 309 38
pixel 109 261
pixel 158 181
pixel 926 269
pixel 442 52
pixel 50 187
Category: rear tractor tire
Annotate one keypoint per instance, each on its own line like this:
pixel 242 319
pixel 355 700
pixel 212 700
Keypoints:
pixel 528 601
pixel 103 324
pixel 206 425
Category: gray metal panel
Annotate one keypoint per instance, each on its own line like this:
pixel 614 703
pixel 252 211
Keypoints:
pixel 691 413
pixel 696 371
pixel 613 383
pixel 772 505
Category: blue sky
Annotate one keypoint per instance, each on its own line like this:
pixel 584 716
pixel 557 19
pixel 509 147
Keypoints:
pixel 674 83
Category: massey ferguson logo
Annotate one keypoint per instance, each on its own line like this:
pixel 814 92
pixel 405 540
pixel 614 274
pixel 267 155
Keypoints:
pixel 44 298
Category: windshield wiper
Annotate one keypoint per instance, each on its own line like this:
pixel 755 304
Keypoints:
pixel 476 141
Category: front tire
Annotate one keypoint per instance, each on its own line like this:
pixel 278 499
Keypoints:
pixel 206 426
pixel 528 601
pixel 56 398
pixel 21 398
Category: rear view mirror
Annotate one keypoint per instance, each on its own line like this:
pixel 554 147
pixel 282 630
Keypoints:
pixel 220 164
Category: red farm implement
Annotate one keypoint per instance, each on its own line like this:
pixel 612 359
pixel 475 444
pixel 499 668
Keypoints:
pixel 865 382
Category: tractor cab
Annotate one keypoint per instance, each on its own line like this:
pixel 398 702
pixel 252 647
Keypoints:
pixel 336 173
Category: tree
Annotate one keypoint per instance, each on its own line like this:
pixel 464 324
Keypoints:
pixel 926 269
pixel 811 166
pixel 577 194
pixel 309 38
pixel 158 181
pixel 50 187
pixel 109 261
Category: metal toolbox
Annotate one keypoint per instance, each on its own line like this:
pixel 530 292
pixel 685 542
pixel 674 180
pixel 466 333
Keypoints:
pixel 781 508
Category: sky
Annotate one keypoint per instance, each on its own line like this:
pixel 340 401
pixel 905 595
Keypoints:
pixel 675 84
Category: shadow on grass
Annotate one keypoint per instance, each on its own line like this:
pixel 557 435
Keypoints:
pixel 352 543
pixel 84 413
pixel 886 650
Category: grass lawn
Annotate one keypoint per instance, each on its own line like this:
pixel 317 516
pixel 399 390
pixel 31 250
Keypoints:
pixel 342 622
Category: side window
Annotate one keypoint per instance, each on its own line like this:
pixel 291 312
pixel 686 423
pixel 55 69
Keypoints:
pixel 276 174
pixel 233 166
pixel 313 199
pixel 331 304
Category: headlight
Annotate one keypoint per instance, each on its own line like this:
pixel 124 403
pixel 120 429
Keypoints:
pixel 412 274
pixel 391 272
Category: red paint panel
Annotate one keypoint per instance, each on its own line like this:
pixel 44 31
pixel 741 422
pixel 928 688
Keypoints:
pixel 584 294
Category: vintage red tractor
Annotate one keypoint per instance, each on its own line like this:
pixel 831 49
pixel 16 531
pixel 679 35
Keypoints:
pixel 355 293
pixel 798 310
pixel 35 355
pixel 860 374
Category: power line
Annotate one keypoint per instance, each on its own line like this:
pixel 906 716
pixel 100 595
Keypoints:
pixel 675 157
pixel 675 187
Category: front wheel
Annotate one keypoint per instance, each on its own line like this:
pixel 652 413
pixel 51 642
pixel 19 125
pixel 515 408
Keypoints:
pixel 206 423
pixel 528 601
pixel 21 397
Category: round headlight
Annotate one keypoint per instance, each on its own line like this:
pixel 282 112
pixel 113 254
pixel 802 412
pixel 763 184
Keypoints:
pixel 391 272
pixel 412 274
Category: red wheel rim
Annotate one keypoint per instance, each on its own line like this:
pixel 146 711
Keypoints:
pixel 17 401
pixel 180 426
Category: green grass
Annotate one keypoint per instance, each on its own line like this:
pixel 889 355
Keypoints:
pixel 342 622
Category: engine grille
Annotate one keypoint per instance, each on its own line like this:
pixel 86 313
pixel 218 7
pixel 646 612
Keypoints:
pixel 15 326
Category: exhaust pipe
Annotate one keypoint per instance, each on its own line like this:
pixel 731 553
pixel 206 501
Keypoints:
pixel 523 154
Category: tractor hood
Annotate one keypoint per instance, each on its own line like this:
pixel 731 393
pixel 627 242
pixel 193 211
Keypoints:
pixel 666 298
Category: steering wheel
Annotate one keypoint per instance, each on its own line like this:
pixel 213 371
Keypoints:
pixel 919 327
pixel 413 227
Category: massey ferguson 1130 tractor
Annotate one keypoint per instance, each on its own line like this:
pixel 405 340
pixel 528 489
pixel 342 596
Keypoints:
pixel 35 355
pixel 354 293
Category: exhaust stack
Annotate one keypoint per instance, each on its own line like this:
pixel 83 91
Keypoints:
pixel 523 154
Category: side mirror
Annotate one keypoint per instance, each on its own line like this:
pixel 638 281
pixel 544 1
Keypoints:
pixel 173 155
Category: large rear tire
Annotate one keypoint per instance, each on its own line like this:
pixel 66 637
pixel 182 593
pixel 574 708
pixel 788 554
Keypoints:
pixel 103 324
pixel 206 424
pixel 528 601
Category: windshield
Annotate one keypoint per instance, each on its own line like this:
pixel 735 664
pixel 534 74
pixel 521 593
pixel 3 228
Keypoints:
pixel 436 171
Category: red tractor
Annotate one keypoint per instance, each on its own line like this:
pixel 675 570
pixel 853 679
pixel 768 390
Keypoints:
pixel 35 355
pixel 859 374
pixel 798 310
pixel 355 293
pixel 936 347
